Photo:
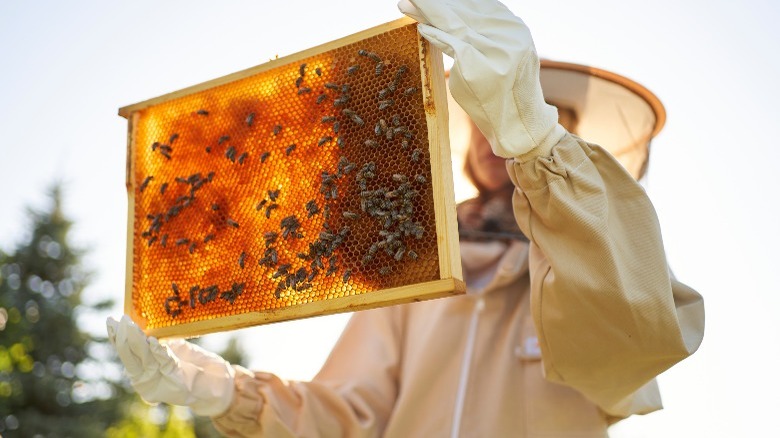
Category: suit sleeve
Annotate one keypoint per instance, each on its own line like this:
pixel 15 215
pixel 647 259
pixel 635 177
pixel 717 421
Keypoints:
pixel 608 314
pixel 352 395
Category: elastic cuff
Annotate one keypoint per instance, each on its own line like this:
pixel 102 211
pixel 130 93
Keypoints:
pixel 247 402
pixel 545 148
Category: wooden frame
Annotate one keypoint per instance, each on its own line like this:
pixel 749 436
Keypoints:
pixel 450 275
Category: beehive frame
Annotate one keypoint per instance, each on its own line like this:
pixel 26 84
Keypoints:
pixel 417 88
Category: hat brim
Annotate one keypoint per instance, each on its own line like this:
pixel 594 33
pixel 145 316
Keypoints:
pixel 613 111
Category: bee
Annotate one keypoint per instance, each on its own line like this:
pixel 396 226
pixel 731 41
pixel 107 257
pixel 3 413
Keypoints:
pixel 304 90
pixel 270 237
pixel 384 270
pixel 416 154
pixel 231 295
pixel 164 240
pixel 202 112
pixel 328 119
pixel 269 209
pixel 277 129
pixel 231 222
pixel 281 270
pixel 353 69
pixel 302 69
pixel 145 183
pixel 241 259
pixel 273 195
pixel 289 149
pixel 380 66
pixel 208 294
pixel 399 254
pixel 383 93
pixel 325 139
pixel 412 255
pixel 230 153
pixel 409 91
pixel 208 149
pixel 341 101
pixel 318 71
pixel 155 145
pixel 152 240
pixel 242 157
pixel 250 119
pixel 399 178
pixel 298 82
pixel 420 179
pixel 223 139
pixel 385 104
pixel 336 127
pixel 378 129
pixel 340 142
pixel 347 274
pixel 353 116
pixel 210 176
pixel 331 86
pixel 173 138
pixel 173 312
pixel 390 133
pixel 321 98
pixel 193 291
pixel 350 215
pixel 192 247
pixel 405 144
pixel 374 57
pixel 208 238
pixel 311 208
pixel 372 143
pixel 165 154
pixel 260 204
pixel 264 156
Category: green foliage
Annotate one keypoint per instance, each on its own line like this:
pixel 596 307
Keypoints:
pixel 55 379
pixel 51 385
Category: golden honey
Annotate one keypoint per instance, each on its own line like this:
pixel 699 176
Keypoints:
pixel 302 183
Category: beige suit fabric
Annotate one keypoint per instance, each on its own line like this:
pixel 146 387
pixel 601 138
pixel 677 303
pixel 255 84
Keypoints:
pixel 565 339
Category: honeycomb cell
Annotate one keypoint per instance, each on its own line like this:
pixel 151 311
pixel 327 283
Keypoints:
pixel 305 182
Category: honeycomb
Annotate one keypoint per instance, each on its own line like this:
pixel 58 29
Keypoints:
pixel 305 182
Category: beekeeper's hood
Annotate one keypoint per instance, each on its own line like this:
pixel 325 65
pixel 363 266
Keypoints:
pixel 611 110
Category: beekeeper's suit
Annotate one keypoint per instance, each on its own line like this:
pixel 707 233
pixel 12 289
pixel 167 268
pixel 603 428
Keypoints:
pixel 567 336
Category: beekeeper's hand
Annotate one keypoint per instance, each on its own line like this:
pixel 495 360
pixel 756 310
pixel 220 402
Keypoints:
pixel 495 77
pixel 177 373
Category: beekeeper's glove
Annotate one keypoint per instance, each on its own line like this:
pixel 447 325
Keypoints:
pixel 495 77
pixel 177 373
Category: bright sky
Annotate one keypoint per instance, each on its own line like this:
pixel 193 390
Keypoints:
pixel 68 66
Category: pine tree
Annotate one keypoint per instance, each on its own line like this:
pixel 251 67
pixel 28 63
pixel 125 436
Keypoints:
pixel 55 379
pixel 51 384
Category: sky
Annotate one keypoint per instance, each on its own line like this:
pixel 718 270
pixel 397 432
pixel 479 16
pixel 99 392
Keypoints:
pixel 68 66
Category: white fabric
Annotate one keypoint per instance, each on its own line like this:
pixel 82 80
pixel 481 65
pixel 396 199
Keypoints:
pixel 495 77
pixel 178 373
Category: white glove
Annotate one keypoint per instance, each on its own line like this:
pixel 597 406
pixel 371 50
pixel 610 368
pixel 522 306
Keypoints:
pixel 178 373
pixel 495 77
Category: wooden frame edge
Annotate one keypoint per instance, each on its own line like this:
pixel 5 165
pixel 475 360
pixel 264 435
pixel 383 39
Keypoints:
pixel 132 122
pixel 126 111
pixel 436 112
pixel 398 295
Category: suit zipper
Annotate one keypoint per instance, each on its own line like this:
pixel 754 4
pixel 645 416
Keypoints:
pixel 465 368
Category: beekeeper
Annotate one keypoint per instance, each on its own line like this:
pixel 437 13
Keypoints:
pixel 566 324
